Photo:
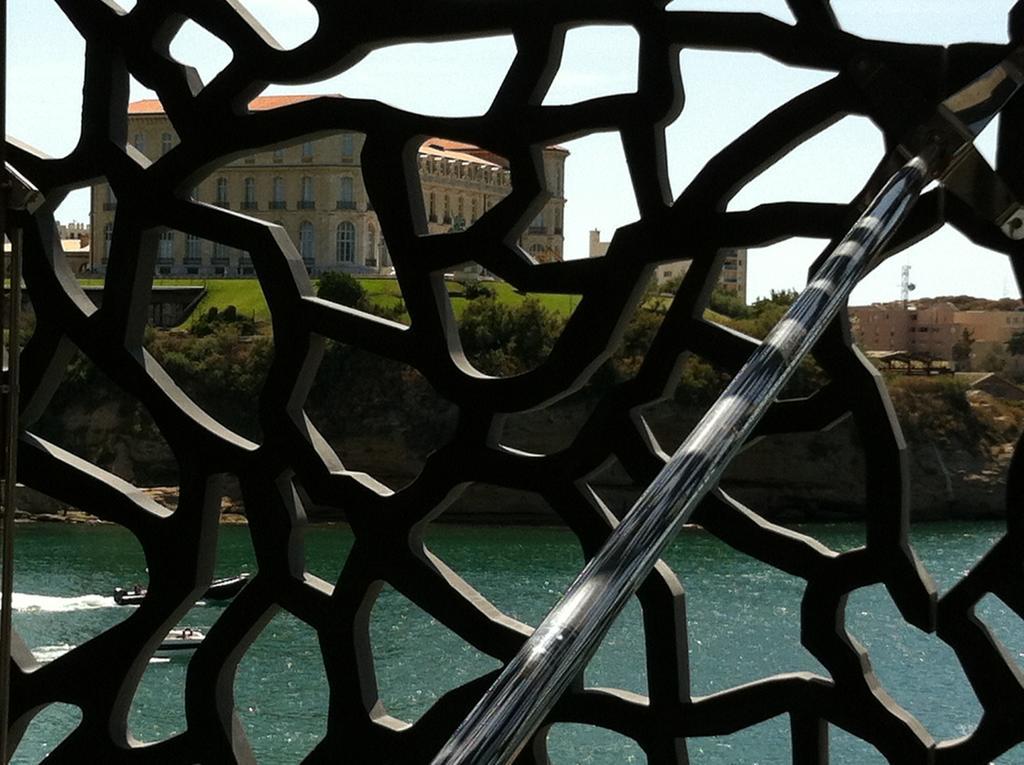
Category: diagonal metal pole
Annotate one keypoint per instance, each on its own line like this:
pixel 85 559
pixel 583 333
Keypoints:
pixel 514 707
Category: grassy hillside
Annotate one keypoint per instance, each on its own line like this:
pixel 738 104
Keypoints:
pixel 243 294
pixel 247 297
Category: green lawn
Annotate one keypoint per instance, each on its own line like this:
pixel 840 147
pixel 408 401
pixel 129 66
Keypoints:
pixel 385 293
pixel 247 297
pixel 243 294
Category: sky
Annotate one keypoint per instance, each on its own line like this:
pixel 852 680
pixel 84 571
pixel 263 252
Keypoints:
pixel 726 93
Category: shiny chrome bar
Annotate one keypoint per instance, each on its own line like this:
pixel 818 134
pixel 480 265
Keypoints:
pixel 513 708
pixel 509 713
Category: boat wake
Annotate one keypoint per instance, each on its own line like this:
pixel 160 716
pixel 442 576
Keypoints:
pixel 47 653
pixel 44 654
pixel 28 603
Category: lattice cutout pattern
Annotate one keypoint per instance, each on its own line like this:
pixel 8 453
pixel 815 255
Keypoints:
pixel 893 85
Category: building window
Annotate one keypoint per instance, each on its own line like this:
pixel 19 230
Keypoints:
pixel 447 209
pixel 348 148
pixel 249 186
pixel 433 207
pixel 537 227
pixel 473 208
pixel 345 247
pixel 306 202
pixel 111 203
pixel 245 266
pixel 220 255
pixel 346 194
pixel 165 251
pixel 371 246
pixel 307 151
pixel 279 155
pixel 166 142
pixel 307 243
pixel 140 142
pixel 193 250
pixel 222 192
pixel 278 203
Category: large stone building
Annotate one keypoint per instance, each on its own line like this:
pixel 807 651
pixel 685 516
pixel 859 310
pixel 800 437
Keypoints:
pixel 315 191
pixel 733 277
pixel 932 331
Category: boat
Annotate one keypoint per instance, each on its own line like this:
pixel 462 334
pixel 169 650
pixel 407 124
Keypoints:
pixel 179 641
pixel 129 597
pixel 224 588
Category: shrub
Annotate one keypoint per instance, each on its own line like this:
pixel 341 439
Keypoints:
pixel 474 290
pixel 213 319
pixel 342 288
pixel 503 340
pixel 936 410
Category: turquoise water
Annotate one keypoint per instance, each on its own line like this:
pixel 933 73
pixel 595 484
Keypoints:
pixel 744 625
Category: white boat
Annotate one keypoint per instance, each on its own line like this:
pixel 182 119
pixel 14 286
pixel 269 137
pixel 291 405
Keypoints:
pixel 180 641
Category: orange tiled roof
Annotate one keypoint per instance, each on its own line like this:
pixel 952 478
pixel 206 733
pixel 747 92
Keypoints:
pixel 441 147
pixel 445 144
pixel 434 147
pixel 260 104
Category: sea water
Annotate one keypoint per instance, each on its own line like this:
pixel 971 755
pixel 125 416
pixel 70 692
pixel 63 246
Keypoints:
pixel 743 625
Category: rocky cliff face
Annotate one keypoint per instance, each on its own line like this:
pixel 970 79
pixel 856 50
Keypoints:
pixel 796 477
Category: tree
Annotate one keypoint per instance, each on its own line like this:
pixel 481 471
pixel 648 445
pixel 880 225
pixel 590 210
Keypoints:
pixel 729 304
pixel 1015 345
pixel 962 350
pixel 995 361
pixel 342 288
pixel 503 340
